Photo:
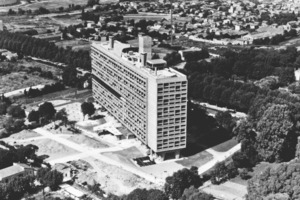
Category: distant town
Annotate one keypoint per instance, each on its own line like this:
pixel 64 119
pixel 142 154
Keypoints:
pixel 149 100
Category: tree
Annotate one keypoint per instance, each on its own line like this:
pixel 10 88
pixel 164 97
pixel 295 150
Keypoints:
pixel 138 194
pixel 91 3
pixel 3 108
pixel 16 111
pixel 46 111
pixel 53 179
pixel 62 115
pixel 225 120
pixel 154 194
pixel 69 76
pixel 277 139
pixel 48 177
pixel 179 181
pixel 244 130
pixel 87 109
pixel 172 58
pixel 17 187
pixel 13 125
pixel 276 181
pixel 286 75
pixel 33 116
pixel 219 174
pixel 244 174
pixel 155 56
pixel 231 170
pixel 240 160
pixel 194 194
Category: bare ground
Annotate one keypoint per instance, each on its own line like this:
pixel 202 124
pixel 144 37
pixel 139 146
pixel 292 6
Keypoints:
pixel 113 179
pixel 19 80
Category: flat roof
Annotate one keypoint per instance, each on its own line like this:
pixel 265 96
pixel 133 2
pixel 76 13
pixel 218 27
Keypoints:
pixel 156 61
pixel 71 190
pixel 12 170
pixel 117 53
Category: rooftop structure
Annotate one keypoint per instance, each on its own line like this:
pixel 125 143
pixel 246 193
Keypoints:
pixel 148 98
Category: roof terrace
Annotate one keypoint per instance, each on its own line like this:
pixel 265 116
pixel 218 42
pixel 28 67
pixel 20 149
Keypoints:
pixel 155 68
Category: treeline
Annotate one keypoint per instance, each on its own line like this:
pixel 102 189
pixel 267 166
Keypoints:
pixel 43 49
pixel 275 40
pixel 16 154
pixel 267 109
pixel 8 67
pixel 251 64
pixel 280 19
pixel 217 90
pixel 181 185
pixel 280 182
pixel 260 138
pixel 55 87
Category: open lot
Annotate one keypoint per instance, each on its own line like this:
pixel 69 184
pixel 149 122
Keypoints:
pixel 76 45
pixel 49 4
pixel 227 190
pixel 87 141
pixel 25 134
pixel 54 4
pixel 48 148
pixel 116 180
pixel 21 77
pixel 125 155
pixel 39 23
pixel 18 80
pixel 44 67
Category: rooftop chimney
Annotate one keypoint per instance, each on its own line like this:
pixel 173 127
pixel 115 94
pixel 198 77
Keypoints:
pixel 145 45
pixel 111 42
pixel 143 59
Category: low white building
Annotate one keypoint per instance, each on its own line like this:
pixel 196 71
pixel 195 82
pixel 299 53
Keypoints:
pixel 16 170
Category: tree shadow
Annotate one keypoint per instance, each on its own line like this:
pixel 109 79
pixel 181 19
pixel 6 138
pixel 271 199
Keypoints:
pixel 199 143
pixel 95 117
pixel 203 131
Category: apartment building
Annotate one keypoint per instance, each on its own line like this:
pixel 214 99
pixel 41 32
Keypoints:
pixel 145 96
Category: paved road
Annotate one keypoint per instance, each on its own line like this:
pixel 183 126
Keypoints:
pixel 218 157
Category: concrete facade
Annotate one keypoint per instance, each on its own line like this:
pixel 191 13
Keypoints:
pixel 152 104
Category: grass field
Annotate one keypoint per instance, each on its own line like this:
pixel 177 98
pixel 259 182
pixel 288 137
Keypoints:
pixel 225 146
pixel 31 63
pixel 49 4
pixel 19 80
pixel 76 45
pixel 196 160
pixel 240 181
